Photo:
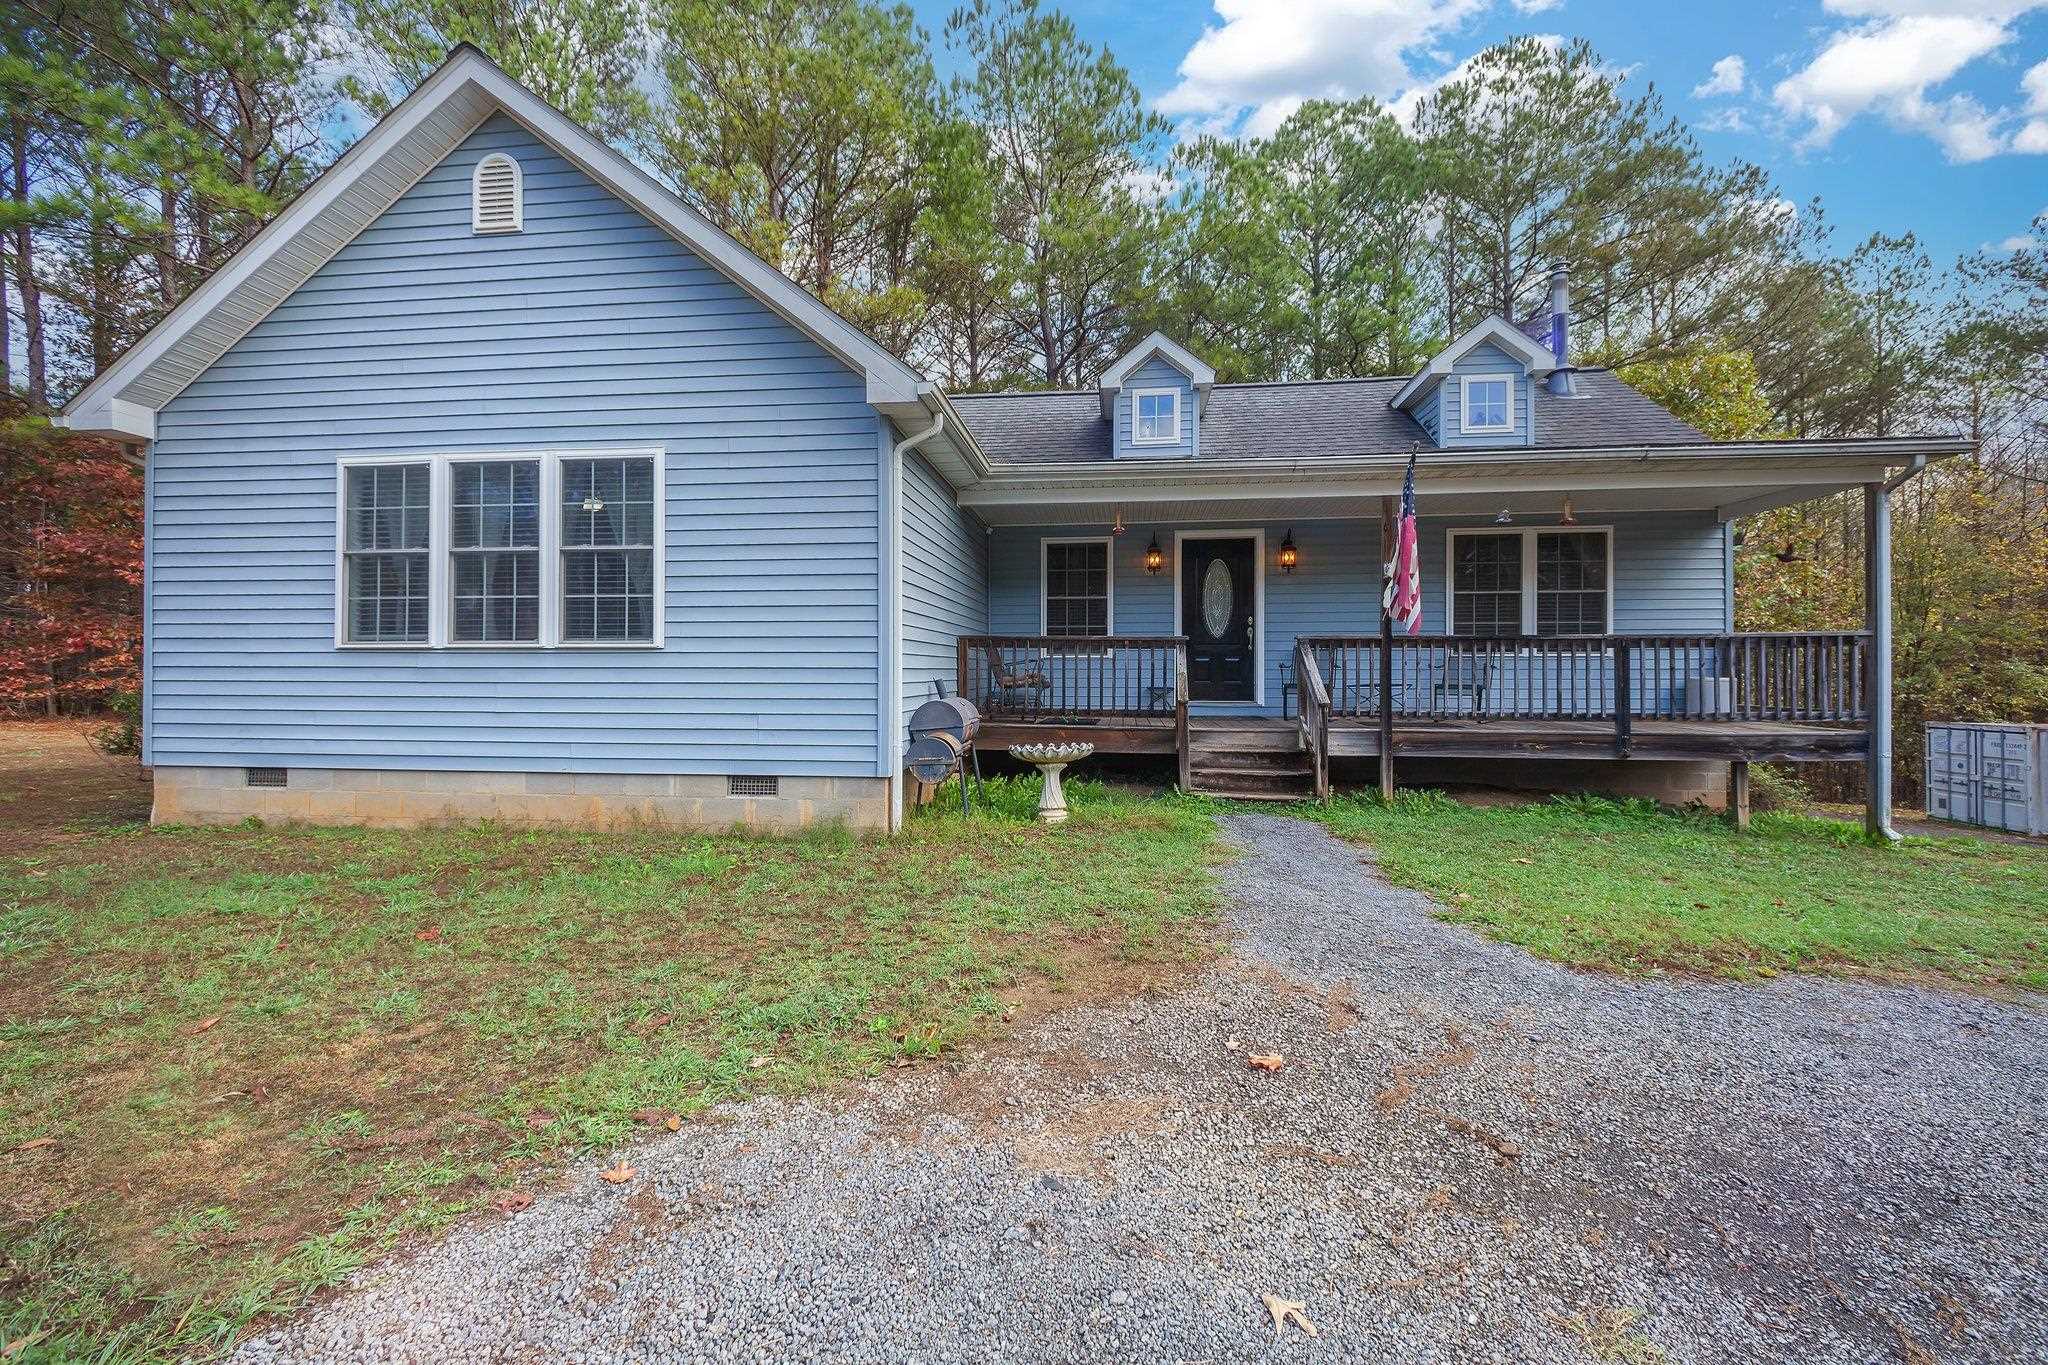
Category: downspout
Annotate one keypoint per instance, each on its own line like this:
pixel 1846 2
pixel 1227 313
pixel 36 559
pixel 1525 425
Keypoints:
pixel 1877 599
pixel 892 617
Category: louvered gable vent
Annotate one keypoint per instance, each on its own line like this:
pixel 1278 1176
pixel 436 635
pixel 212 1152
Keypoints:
pixel 495 197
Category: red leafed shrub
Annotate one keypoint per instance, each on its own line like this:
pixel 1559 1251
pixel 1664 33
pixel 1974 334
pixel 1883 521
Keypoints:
pixel 70 569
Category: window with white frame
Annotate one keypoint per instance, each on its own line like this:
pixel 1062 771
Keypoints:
pixel 1487 403
pixel 608 549
pixel 1074 588
pixel 1533 582
pixel 533 548
pixel 387 537
pixel 1155 417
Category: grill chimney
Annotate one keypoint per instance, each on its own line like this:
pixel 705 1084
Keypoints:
pixel 1560 327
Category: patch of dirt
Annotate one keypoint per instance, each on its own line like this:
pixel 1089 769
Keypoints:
pixel 53 779
pixel 1459 1053
pixel 1067 1145
pixel 1340 1008
pixel 644 1213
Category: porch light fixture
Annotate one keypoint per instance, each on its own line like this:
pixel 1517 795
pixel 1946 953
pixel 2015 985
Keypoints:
pixel 1504 518
pixel 1155 558
pixel 1565 518
pixel 1289 556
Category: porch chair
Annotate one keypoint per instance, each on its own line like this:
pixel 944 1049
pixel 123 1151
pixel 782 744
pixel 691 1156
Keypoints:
pixel 1462 678
pixel 1010 679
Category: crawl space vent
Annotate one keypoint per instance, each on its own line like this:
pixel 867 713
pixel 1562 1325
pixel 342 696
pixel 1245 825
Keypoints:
pixel 264 777
pixel 752 786
pixel 495 197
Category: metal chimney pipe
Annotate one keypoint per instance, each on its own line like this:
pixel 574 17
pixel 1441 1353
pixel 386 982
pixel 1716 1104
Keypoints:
pixel 1560 327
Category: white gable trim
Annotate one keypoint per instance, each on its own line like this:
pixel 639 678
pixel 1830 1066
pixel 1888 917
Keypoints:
pixel 1537 358
pixel 1200 376
pixel 403 146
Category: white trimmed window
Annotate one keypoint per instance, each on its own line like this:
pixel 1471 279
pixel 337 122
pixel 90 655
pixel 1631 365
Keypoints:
pixel 535 549
pixel 497 195
pixel 1155 417
pixel 1544 582
pixel 1486 403
pixel 1075 595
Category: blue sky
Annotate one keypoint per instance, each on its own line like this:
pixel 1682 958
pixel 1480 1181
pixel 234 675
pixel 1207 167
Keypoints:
pixel 1928 115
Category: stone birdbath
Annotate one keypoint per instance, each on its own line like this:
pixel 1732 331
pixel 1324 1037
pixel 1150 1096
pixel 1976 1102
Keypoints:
pixel 1049 759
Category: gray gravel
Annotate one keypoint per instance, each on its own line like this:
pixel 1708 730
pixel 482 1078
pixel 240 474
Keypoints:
pixel 1469 1156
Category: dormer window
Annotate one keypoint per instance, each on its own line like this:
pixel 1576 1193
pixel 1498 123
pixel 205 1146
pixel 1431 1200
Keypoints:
pixel 496 195
pixel 1155 417
pixel 1488 404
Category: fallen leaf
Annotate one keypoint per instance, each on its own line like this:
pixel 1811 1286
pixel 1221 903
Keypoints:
pixel 660 1021
pixel 650 1116
pixel 759 1062
pixel 34 1143
pixel 1285 1311
pixel 20 1344
pixel 538 1119
pixel 1264 1061
pixel 429 935
pixel 202 1026
pixel 1524 861
pixel 675 1123
pixel 512 1201
pixel 617 1175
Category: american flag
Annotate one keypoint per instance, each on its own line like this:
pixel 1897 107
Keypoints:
pixel 1403 598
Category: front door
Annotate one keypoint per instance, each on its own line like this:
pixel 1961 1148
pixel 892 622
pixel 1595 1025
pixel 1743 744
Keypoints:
pixel 1216 605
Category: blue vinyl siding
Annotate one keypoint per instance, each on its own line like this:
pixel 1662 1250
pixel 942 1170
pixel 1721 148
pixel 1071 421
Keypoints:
pixel 1668 569
pixel 945 581
pixel 590 328
pixel 1447 401
pixel 1156 374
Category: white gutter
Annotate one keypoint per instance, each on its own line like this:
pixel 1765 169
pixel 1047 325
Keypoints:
pixel 1919 463
pixel 892 616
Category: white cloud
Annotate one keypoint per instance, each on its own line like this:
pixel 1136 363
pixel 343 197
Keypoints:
pixel 1728 77
pixel 2033 134
pixel 1263 59
pixel 1535 6
pixel 1891 66
pixel 2017 242
pixel 1727 119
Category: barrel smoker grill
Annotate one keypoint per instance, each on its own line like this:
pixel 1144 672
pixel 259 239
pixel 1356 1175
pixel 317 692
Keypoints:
pixel 942 733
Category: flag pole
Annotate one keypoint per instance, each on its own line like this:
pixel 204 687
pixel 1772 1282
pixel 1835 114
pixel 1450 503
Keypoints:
pixel 1387 541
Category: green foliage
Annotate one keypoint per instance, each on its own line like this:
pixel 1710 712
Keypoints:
pixel 1630 887
pixel 123 735
pixel 1718 392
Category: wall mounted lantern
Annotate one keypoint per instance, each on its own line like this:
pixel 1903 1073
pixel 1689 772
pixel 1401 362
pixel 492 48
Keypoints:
pixel 1155 558
pixel 1289 556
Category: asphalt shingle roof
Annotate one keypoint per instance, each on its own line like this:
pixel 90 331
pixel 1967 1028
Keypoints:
pixel 1302 420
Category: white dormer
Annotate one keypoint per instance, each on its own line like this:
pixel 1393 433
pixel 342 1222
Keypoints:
pixel 1153 398
pixel 1478 390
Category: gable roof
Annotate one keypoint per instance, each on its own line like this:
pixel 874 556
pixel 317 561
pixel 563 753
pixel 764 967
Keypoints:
pixel 1498 330
pixel 1199 374
pixel 404 145
pixel 1307 420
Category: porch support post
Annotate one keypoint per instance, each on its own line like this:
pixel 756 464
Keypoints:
pixel 1386 654
pixel 1738 792
pixel 1877 603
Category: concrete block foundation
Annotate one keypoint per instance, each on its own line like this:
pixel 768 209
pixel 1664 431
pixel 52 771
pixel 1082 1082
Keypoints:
pixel 392 799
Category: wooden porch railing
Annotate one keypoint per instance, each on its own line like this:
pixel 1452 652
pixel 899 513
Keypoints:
pixel 1809 677
pixel 1048 678
pixel 1315 714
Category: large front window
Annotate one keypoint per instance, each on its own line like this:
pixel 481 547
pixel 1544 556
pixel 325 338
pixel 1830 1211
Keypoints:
pixel 1535 582
pixel 386 511
pixel 535 549
pixel 1075 592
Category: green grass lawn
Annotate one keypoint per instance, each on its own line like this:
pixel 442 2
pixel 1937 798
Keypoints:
pixel 236 1063
pixel 1630 887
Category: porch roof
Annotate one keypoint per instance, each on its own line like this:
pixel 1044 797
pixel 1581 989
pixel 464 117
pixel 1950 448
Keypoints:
pixel 1306 420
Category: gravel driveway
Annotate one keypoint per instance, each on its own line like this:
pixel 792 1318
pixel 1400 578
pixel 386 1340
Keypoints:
pixel 1469 1156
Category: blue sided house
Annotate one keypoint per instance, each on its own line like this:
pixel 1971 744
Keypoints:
pixel 490 480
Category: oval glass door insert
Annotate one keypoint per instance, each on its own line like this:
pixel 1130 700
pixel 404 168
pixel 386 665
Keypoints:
pixel 1217 598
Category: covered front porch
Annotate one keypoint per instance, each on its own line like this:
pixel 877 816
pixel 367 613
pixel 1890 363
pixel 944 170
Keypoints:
pixel 1585 628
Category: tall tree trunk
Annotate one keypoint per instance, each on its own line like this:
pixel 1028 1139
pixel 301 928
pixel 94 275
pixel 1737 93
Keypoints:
pixel 36 379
